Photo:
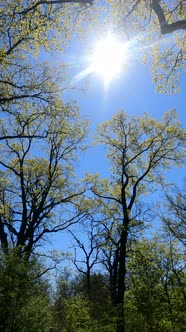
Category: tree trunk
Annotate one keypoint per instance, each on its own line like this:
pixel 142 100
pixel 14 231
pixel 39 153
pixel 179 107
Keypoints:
pixel 121 283
pixel 88 283
pixel 113 278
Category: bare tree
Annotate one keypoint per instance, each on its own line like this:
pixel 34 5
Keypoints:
pixel 87 245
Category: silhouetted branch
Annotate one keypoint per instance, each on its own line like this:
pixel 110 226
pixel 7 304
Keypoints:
pixel 165 27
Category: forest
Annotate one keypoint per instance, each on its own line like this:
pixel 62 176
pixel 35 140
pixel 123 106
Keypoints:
pixel 82 250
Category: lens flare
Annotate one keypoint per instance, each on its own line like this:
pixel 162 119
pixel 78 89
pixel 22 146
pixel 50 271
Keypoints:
pixel 108 58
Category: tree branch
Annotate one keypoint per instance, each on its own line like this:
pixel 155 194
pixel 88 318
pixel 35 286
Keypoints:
pixel 45 134
pixel 55 2
pixel 164 26
pixel 23 96
pixel 132 9
pixel 105 197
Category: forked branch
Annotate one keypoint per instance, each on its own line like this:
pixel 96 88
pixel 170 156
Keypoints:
pixel 165 27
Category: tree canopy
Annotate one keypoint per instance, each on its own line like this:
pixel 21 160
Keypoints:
pixel 157 30
pixel 139 151
pixel 37 159
pixel 120 278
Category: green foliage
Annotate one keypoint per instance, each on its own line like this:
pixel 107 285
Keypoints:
pixel 155 31
pixel 174 217
pixel 140 150
pixel 155 287
pixel 28 25
pixel 33 186
pixel 94 311
pixel 101 310
pixel 24 298
pixel 31 27
pixel 41 135
pixel 71 314
pixel 38 131
pixel 77 316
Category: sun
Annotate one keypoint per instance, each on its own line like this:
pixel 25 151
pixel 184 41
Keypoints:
pixel 108 58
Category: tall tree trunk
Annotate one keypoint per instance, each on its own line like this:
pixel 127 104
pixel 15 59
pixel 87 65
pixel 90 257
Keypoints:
pixel 114 278
pixel 88 283
pixel 121 282
pixel 3 237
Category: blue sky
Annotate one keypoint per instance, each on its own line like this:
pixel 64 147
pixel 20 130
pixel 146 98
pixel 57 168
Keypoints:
pixel 133 92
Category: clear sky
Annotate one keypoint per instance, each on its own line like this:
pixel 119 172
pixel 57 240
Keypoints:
pixel 132 91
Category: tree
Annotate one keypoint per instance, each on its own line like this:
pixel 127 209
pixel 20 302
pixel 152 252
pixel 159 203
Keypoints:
pixel 89 248
pixel 76 316
pixel 156 28
pixel 174 217
pixel 37 83
pixel 140 150
pixel 30 27
pixel 34 118
pixel 154 295
pixel 71 309
pixel 36 173
pixel 32 24
pixel 170 16
pixel 71 292
pixel 24 296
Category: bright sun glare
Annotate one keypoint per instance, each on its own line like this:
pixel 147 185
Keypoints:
pixel 108 58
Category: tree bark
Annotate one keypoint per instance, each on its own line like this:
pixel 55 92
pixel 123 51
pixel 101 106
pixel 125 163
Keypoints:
pixel 121 282
pixel 165 27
